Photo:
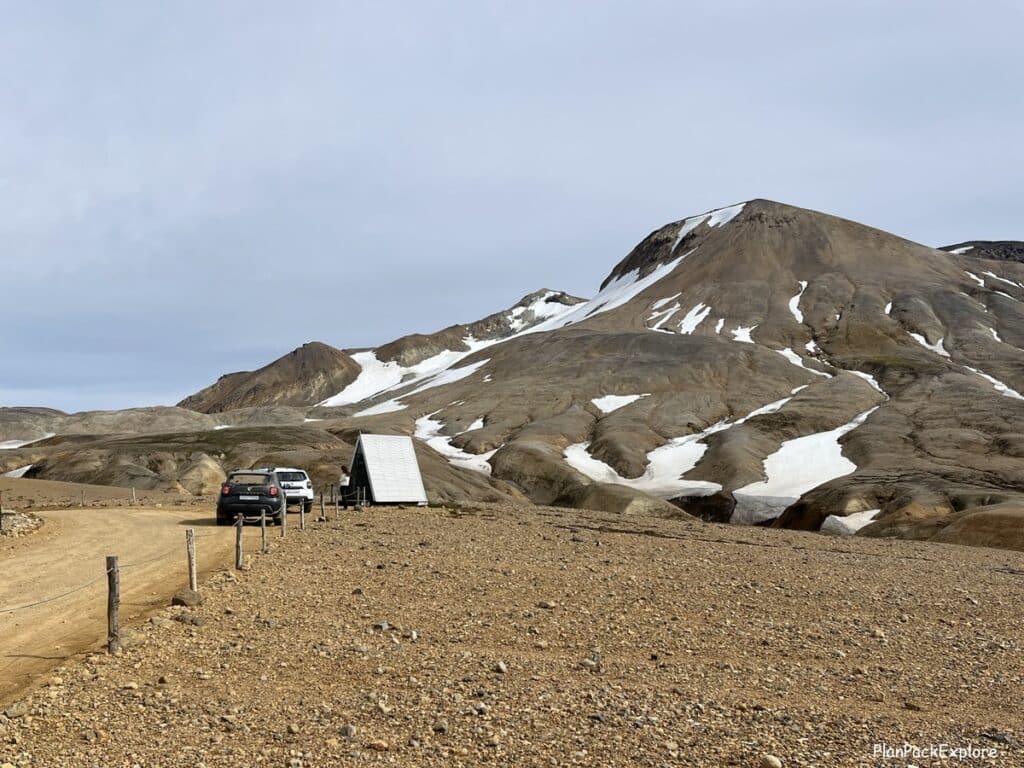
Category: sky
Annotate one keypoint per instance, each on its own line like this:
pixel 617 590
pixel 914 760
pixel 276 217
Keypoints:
pixel 189 189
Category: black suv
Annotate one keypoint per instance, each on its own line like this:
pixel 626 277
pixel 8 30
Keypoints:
pixel 249 492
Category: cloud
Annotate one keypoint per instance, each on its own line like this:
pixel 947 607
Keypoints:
pixel 195 191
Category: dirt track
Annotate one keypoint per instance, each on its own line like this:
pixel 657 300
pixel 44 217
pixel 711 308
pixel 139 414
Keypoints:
pixel 68 552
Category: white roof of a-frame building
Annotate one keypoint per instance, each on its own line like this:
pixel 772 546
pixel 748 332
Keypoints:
pixel 393 469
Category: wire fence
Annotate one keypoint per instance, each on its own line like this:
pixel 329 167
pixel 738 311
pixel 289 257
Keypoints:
pixel 148 561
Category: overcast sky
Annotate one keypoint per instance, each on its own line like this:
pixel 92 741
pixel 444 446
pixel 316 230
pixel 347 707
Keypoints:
pixel 193 188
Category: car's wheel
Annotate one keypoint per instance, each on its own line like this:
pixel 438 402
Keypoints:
pixel 308 505
pixel 278 516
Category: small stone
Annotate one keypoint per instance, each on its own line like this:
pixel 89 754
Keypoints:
pixel 16 710
pixel 770 761
pixel 546 605
pixel 348 731
pixel 130 686
pixel 588 664
pixel 378 745
pixel 163 680
pixel 382 626
pixel 53 682
pixel 187 598
pixel 293 728
pixel 357 591
pixel 440 726
pixel 878 633
pixel 501 668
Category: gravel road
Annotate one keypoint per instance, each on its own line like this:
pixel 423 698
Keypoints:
pixel 69 551
pixel 539 637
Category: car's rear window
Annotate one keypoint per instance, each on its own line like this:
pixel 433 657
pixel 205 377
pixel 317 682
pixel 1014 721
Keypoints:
pixel 252 478
pixel 291 477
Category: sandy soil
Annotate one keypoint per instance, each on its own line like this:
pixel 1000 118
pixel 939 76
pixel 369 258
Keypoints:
pixel 529 637
pixel 68 551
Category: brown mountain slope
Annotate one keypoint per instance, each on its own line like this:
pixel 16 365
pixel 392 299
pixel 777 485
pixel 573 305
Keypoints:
pixel 302 377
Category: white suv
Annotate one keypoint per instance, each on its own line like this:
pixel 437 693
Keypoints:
pixel 297 486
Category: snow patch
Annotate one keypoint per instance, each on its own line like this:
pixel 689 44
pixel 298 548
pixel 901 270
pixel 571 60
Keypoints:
pixel 662 302
pixel 870 380
pixel 539 309
pixel 666 464
pixel 847 525
pixel 1001 388
pixel 719 325
pixel 812 347
pixel 694 318
pixel 980 281
pixel 428 429
pixel 937 347
pixel 618 292
pixel 995 335
pixel 446 376
pixel 739 333
pixel 794 303
pixel 663 317
pixel 716 218
pixel 888 308
pixel 800 465
pixel 609 403
pixel 19 472
pixel 963 250
pixel 994 276
pixel 798 361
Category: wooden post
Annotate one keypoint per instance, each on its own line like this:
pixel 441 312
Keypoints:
pixel 2 511
pixel 284 519
pixel 337 503
pixel 190 550
pixel 302 515
pixel 133 496
pixel 323 513
pixel 239 558
pixel 113 604
pixel 83 498
pixel 263 532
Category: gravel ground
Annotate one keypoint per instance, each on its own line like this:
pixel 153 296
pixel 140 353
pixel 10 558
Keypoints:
pixel 15 524
pixel 521 637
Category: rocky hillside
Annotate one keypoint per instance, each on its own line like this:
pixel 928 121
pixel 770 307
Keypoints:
pixel 1000 250
pixel 758 364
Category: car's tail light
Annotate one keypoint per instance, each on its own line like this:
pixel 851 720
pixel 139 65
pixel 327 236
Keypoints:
pixel 225 490
pixel 273 490
pixel 309 484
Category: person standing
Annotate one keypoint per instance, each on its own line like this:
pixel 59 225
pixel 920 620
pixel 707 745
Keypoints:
pixel 343 482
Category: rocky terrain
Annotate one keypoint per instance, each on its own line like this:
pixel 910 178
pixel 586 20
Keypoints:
pixel 530 636
pixel 758 364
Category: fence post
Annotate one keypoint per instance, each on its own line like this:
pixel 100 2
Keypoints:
pixel 302 515
pixel 323 514
pixel 83 498
pixel 133 496
pixel 190 550
pixel 113 604
pixel 238 543
pixel 263 532
pixel 2 510
pixel 337 503
pixel 284 519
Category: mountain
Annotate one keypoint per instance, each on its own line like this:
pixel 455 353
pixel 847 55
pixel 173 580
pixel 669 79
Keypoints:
pixel 1001 250
pixel 302 377
pixel 757 364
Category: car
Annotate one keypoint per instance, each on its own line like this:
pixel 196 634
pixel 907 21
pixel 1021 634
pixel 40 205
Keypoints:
pixel 296 484
pixel 250 493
